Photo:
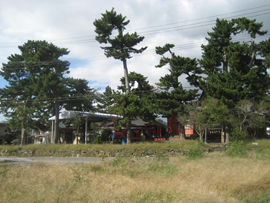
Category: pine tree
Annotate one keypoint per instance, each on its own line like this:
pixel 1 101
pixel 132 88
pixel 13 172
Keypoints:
pixel 80 96
pixel 235 70
pixel 105 100
pixel 121 47
pixel 139 85
pixel 170 103
pixel 36 83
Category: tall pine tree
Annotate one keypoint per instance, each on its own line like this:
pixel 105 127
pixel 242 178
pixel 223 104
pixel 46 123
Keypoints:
pixel 36 84
pixel 235 70
pixel 171 102
pixel 121 46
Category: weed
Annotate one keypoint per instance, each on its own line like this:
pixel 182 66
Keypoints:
pixel 238 135
pixel 79 176
pixel 258 199
pixel 119 160
pixel 261 153
pixel 3 170
pixel 160 157
pixel 96 168
pixel 98 140
pixel 155 196
pixel 162 168
pixel 195 151
pixel 236 149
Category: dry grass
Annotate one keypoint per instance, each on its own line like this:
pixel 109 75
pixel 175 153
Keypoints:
pixel 214 178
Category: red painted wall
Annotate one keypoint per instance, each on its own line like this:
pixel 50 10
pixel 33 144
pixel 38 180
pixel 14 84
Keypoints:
pixel 172 125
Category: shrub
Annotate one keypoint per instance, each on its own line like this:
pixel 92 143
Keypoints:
pixel 236 149
pixel 195 151
pixel 3 170
pixel 106 135
pixel 238 135
pixel 161 157
pixel 98 140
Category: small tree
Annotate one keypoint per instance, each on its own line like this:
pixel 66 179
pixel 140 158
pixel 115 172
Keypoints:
pixel 221 114
pixel 105 100
pixel 198 118
pixel 250 115
pixel 77 122
pixel 258 121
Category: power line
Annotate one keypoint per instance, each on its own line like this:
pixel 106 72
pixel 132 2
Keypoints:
pixel 215 16
pixel 50 100
pixel 85 39
pixel 76 98
pixel 100 57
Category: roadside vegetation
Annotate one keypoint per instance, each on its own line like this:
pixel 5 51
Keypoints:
pixel 173 143
pixel 238 174
pixel 106 147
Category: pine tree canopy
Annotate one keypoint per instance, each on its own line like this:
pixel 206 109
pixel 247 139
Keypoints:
pixel 121 46
pixel 171 101
pixel 138 83
pixel 80 96
pixel 235 70
pixel 35 79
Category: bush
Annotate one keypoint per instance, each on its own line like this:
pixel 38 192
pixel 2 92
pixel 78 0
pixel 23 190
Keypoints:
pixel 236 149
pixel 238 135
pixel 106 135
pixel 98 140
pixel 161 157
pixel 195 151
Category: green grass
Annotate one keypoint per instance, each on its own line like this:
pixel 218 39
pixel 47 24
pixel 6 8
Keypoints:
pixel 191 148
pixel 104 147
pixel 262 143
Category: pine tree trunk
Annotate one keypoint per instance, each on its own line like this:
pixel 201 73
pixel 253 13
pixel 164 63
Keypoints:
pixel 201 136
pixel 127 91
pixel 22 134
pixel 75 141
pixel 182 132
pixel 222 135
pixel 56 129
pixel 129 132
pixel 227 133
pixel 126 75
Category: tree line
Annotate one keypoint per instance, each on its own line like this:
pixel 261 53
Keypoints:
pixel 232 74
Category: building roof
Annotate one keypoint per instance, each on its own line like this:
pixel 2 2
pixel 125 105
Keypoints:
pixel 41 135
pixel 139 122
pixel 154 122
pixel 92 117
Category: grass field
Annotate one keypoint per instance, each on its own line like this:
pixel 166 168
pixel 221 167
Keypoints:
pixel 239 176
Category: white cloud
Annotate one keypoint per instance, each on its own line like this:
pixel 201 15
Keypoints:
pixel 69 24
